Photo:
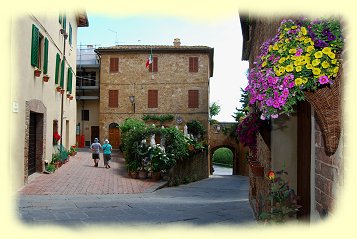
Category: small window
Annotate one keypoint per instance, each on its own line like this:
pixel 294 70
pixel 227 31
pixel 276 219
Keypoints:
pixel 114 65
pixel 193 64
pixel 153 99
pixel 193 98
pixel 154 65
pixel 113 99
pixel 85 115
pixel 70 34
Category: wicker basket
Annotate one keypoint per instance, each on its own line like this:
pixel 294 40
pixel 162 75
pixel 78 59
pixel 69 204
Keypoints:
pixel 327 105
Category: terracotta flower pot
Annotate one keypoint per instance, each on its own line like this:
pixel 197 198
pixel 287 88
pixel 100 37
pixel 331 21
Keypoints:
pixel 46 78
pixel 68 95
pixel 133 175
pixel 62 91
pixel 71 97
pixel 143 174
pixel 58 88
pixel 257 170
pixel 155 176
pixel 37 72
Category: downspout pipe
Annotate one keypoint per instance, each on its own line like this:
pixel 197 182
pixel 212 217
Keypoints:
pixel 65 35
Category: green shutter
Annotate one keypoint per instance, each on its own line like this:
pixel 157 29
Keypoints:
pixel 58 60
pixel 69 80
pixel 34 46
pixel 62 74
pixel 70 34
pixel 60 18
pixel 64 25
pixel 45 63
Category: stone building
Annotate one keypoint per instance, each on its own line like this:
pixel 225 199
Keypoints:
pixel 315 171
pixel 87 95
pixel 43 57
pixel 176 82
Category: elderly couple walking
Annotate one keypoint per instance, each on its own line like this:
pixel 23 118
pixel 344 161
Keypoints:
pixel 107 150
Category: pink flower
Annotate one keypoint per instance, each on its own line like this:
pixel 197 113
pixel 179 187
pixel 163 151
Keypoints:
pixel 323 80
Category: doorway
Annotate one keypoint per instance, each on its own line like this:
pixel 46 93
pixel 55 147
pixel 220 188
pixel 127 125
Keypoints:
pixel 31 164
pixel 94 133
pixel 114 135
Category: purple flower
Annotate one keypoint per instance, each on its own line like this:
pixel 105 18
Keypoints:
pixel 326 31
pixel 291 84
pixel 269 102
pixel 323 80
pixel 285 93
pixel 331 37
pixel 276 104
pixel 274 116
pixel 298 52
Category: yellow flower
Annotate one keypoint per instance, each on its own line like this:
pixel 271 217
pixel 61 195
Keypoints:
pixel 304 81
pixel 278 73
pixel 298 69
pixel 316 71
pixel 298 81
pixel 289 68
pixel 309 66
pixel 297 62
pixel 325 64
pixel 281 36
pixel 286 29
pixel 275 47
pixel 318 54
pixel 334 61
pixel 335 70
pixel 316 62
pixel 264 63
pixel 326 50
pixel 293 27
pixel 282 69
pixel 332 55
pixel 310 48
pixel 304 31
pixel 292 51
pixel 270 48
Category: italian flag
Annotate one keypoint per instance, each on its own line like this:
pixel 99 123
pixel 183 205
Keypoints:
pixel 149 60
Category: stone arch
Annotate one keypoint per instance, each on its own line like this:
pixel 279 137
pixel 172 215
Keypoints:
pixel 234 150
pixel 35 110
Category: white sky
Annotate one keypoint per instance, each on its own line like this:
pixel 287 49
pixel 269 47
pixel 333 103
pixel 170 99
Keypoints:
pixel 229 74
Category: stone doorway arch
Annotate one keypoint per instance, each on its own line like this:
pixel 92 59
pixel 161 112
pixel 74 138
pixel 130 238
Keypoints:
pixel 235 156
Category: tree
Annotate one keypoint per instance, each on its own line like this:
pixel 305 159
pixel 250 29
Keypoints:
pixel 214 110
pixel 244 110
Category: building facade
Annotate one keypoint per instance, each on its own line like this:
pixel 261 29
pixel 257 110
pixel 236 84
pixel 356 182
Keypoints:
pixel 315 172
pixel 43 62
pixel 176 82
pixel 87 95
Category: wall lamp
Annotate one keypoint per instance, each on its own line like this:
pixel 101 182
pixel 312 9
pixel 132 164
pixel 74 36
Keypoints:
pixel 132 101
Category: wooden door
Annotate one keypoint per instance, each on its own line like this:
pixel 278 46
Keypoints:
pixel 114 137
pixel 32 144
pixel 304 159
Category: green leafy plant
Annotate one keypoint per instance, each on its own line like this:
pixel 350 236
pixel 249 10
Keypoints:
pixel 50 168
pixel 159 160
pixel 160 118
pixel 214 110
pixel 282 199
pixel 196 128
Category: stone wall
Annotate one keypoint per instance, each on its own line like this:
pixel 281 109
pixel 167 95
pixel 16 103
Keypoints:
pixel 328 174
pixel 189 170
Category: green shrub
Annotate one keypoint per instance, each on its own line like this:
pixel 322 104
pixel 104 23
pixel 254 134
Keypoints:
pixel 223 156
pixel 196 128
pixel 50 168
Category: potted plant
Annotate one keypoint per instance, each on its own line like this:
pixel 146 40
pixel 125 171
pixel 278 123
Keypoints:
pixel 62 91
pixel 37 72
pixel 51 168
pixel 45 78
pixel 71 97
pixel 58 88
pixel 160 161
pixel 132 168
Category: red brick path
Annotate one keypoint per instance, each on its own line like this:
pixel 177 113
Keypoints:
pixel 78 176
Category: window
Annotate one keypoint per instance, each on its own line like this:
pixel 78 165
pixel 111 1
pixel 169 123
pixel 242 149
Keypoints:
pixel 58 61
pixel 152 99
pixel 69 80
pixel 36 47
pixel 85 115
pixel 113 98
pixel 45 57
pixel 154 65
pixel 70 34
pixel 114 65
pixel 85 78
pixel 62 73
pixel 193 64
pixel 193 98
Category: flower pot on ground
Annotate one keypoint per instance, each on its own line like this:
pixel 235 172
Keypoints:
pixel 45 78
pixel 133 174
pixel 143 174
pixel 37 72
pixel 155 176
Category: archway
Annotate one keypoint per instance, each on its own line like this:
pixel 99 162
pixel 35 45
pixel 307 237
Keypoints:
pixel 234 151
pixel 114 135
pixel 222 160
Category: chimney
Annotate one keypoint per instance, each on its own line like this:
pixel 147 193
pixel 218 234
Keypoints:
pixel 177 42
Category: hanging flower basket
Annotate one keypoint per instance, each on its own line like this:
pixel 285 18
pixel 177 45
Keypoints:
pixel 46 78
pixel 327 105
pixel 37 72
pixel 58 88
pixel 68 96
pixel 62 91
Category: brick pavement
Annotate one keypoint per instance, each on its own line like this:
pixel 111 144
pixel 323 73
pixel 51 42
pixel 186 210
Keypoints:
pixel 79 177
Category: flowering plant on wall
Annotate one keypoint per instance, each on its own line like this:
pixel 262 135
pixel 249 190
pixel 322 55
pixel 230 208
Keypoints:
pixel 56 137
pixel 303 56
pixel 247 130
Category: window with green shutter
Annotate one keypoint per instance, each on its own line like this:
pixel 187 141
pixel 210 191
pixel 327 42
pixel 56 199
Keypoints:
pixel 62 74
pixel 69 80
pixel 64 23
pixel 58 60
pixel 45 58
pixel 60 18
pixel 70 34
pixel 34 46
